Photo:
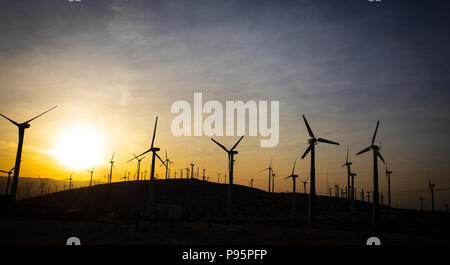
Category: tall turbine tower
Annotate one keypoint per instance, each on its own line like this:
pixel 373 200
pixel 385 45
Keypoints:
pixel 21 127
pixel 92 172
pixel 376 155
pixel 231 153
pixel 152 149
pixel 313 141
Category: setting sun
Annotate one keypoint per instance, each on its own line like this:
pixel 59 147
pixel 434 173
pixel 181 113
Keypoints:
pixel 79 148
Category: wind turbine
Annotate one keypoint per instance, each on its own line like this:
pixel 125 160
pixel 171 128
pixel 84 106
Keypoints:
pixel 204 176
pixel 269 171
pixel 92 173
pixel 421 204
pixel 376 155
pixel 70 180
pixel 304 184
pixel 294 177
pixel 138 164
pixel 166 163
pixel 348 164
pixel 22 127
pixel 251 182
pixel 192 170
pixel 152 149
pixel 111 168
pixel 231 153
pixel 388 175
pixel 431 190
pixel 9 179
pixel 313 141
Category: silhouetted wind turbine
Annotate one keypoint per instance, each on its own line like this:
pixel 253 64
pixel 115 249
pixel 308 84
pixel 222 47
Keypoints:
pixel 431 190
pixel 92 173
pixel 8 183
pixel 192 170
pixel 304 184
pixel 111 168
pixel 231 153
pixel 388 175
pixel 166 163
pixel 421 203
pixel 313 141
pixel 269 171
pixel 376 155
pixel 152 149
pixel 138 164
pixel 22 127
pixel 294 177
pixel 70 180
pixel 348 164
pixel 204 176
pixel 273 181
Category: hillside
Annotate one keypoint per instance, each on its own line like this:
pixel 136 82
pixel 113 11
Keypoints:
pixel 200 201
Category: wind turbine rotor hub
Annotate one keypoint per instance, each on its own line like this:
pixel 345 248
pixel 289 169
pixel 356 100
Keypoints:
pixel 312 141
pixel 155 149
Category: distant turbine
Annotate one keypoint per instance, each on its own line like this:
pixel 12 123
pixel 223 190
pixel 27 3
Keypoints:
pixel 388 175
pixel 192 170
pixel 313 141
pixel 111 168
pixel 8 183
pixel 421 204
pixel 294 177
pixel 92 172
pixel 138 164
pixel 204 176
pixel 231 153
pixel 273 181
pixel 304 184
pixel 269 171
pixel 166 162
pixel 348 164
pixel 431 190
pixel 22 127
pixel 376 155
pixel 152 172
pixel 70 180
pixel 352 196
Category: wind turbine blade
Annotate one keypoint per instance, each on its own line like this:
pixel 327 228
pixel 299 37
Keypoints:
pixel 363 151
pixel 160 159
pixel 15 123
pixel 306 179
pixel 112 157
pixel 308 128
pixel 4 171
pixel 307 151
pixel 40 114
pixel 327 141
pixel 144 153
pixel 379 155
pixel 236 144
pixel 288 177
pixel 293 168
pixel 223 147
pixel 375 133
pixel 154 132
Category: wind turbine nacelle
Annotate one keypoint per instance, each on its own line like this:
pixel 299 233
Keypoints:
pixel 312 141
pixel 155 149
pixel 234 152
pixel 25 125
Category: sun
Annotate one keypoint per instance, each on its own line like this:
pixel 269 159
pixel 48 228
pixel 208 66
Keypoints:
pixel 79 148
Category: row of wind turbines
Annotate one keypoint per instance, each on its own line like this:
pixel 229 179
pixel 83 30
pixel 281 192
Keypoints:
pixel 231 153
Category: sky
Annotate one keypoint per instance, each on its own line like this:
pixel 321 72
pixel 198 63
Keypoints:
pixel 112 66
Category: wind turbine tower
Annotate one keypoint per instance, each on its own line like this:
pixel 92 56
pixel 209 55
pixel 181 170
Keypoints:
pixel 313 141
pixel 21 127
pixel 231 153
